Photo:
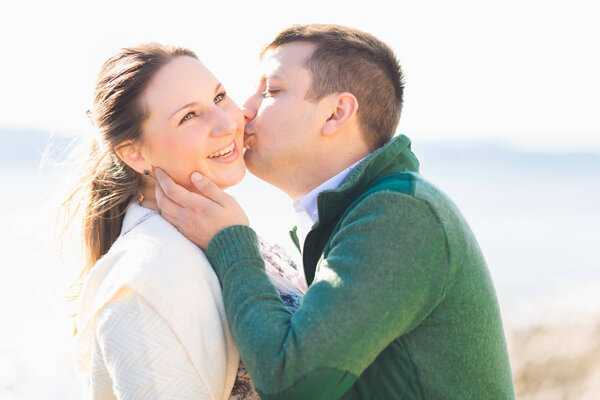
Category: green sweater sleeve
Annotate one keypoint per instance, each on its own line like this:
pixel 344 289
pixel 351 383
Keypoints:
pixel 381 275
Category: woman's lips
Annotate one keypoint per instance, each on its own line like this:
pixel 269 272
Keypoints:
pixel 229 157
pixel 224 151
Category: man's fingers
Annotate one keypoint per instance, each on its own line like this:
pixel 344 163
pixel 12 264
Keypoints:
pixel 208 189
pixel 199 216
pixel 167 206
pixel 172 190
pixel 175 201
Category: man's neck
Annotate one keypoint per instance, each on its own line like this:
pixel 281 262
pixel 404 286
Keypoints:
pixel 309 201
pixel 315 174
pixel 306 206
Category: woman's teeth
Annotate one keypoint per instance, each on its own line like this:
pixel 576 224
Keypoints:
pixel 222 153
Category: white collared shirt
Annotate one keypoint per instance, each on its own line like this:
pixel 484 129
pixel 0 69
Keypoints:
pixel 306 206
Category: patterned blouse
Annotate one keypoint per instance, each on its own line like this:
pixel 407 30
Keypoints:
pixel 291 286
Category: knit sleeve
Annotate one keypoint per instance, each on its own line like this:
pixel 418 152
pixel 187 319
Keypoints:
pixel 141 355
pixel 382 274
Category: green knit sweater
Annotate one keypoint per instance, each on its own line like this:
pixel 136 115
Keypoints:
pixel 400 303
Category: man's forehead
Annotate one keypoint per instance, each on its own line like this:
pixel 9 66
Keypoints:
pixel 282 59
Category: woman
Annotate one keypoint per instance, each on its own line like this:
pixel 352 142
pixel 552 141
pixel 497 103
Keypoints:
pixel 150 322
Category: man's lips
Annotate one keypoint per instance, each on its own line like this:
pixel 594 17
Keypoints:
pixel 247 136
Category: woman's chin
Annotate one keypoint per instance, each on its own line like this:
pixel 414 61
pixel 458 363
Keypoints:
pixel 227 183
pixel 229 171
pixel 229 177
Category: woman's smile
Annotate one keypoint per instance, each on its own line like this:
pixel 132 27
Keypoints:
pixel 223 153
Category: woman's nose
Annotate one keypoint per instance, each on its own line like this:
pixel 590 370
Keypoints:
pixel 224 124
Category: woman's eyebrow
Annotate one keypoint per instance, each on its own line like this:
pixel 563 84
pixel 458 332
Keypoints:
pixel 217 88
pixel 183 107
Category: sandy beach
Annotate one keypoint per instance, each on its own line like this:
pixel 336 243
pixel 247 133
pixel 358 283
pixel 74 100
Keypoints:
pixel 555 352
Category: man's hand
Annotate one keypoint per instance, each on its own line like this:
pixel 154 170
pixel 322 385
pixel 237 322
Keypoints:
pixel 198 217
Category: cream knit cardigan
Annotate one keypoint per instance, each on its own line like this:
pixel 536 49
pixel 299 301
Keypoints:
pixel 154 287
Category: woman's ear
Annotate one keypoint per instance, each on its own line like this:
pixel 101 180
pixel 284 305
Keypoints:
pixel 344 107
pixel 131 155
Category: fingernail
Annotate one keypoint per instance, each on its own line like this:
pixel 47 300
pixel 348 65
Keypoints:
pixel 196 176
pixel 158 172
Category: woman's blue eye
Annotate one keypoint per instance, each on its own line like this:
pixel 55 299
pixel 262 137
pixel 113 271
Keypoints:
pixel 220 97
pixel 188 116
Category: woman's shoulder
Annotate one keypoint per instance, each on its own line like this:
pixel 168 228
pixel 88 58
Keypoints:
pixel 155 261
pixel 170 274
pixel 145 231
pixel 153 258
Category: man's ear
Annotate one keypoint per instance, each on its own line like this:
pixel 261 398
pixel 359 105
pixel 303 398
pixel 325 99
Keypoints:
pixel 344 107
pixel 130 154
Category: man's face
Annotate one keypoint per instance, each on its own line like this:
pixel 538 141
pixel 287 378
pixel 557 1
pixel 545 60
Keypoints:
pixel 282 127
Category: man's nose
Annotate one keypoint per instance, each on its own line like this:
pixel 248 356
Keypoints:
pixel 250 108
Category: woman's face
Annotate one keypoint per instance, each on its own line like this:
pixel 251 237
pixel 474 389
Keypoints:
pixel 192 125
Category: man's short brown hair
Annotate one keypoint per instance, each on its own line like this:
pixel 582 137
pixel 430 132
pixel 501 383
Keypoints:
pixel 348 60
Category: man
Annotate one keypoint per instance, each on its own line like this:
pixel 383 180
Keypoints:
pixel 400 302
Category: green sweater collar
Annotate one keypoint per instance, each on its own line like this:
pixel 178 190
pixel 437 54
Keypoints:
pixel 394 157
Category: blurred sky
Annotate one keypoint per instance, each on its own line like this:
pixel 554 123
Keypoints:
pixel 523 72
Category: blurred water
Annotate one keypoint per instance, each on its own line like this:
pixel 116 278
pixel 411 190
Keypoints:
pixel 35 350
pixel 535 216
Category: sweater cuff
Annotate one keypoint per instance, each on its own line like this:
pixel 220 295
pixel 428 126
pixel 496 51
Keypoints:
pixel 232 244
